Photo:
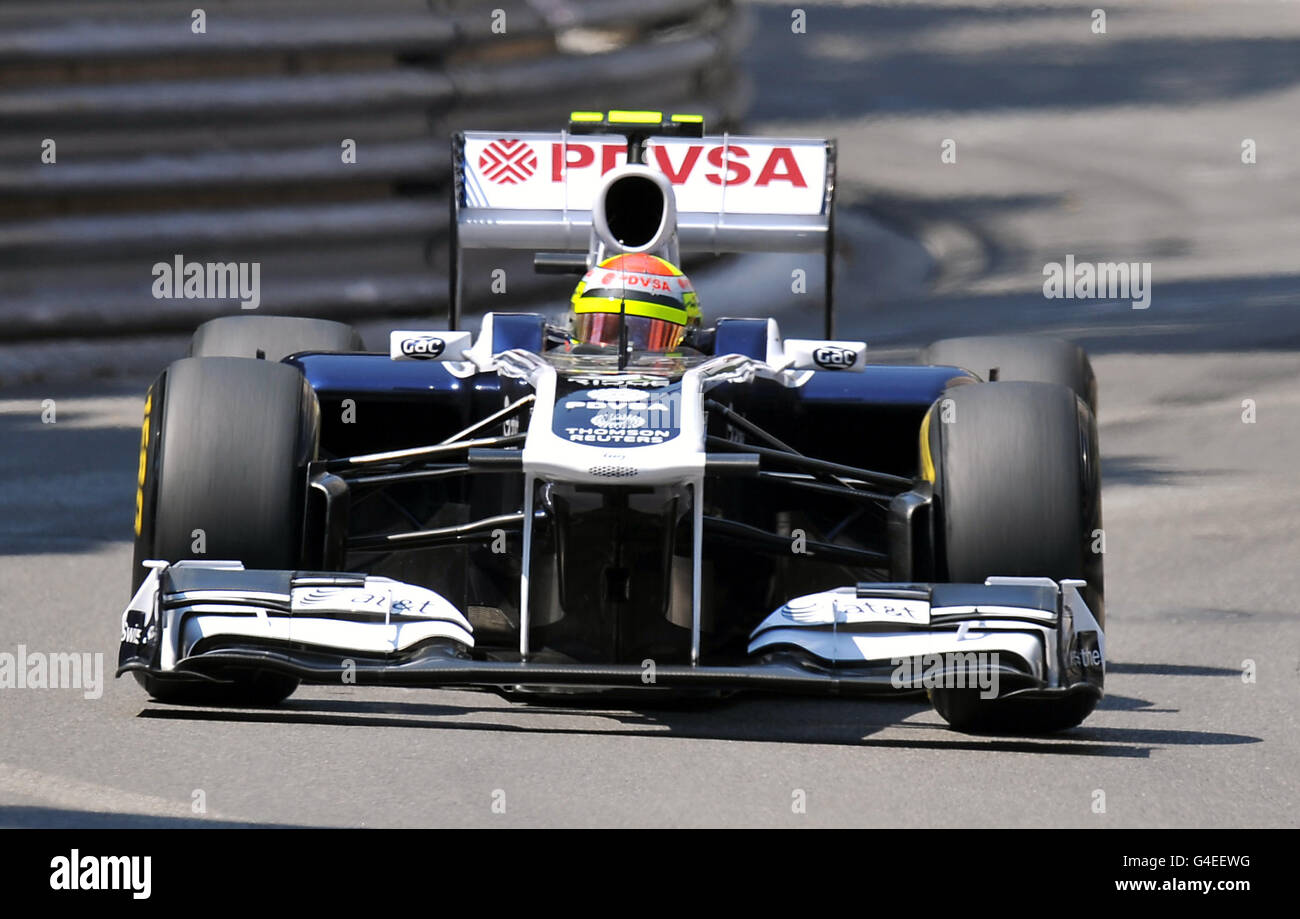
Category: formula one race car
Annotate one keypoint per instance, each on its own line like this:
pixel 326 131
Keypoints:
pixel 636 502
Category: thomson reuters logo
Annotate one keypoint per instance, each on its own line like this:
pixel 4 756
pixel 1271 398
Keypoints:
pixel 507 162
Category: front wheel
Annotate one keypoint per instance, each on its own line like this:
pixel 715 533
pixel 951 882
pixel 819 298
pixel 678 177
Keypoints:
pixel 223 476
pixel 1018 493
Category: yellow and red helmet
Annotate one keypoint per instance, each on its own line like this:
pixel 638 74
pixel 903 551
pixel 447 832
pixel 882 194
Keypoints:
pixel 658 301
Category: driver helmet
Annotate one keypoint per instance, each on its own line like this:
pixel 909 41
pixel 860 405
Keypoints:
pixel 659 302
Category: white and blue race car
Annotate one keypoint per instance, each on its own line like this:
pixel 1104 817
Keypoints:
pixel 502 511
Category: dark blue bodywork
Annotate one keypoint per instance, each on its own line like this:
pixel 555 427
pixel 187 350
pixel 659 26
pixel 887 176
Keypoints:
pixel 868 418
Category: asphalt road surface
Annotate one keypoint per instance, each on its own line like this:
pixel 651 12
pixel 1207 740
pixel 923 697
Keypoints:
pixel 1124 146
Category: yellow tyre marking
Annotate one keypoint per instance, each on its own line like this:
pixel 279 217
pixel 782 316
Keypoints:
pixel 144 450
pixel 927 461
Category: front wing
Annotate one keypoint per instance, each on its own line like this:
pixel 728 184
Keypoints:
pixel 1008 636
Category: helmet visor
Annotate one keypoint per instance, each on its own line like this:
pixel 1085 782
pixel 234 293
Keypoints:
pixel 643 333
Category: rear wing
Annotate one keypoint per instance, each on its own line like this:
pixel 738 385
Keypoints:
pixel 733 193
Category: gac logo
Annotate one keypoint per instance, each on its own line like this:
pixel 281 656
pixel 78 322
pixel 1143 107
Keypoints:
pixel 424 348
pixel 829 357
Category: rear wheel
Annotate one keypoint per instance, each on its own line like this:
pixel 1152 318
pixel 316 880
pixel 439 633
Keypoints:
pixel 223 476
pixel 271 337
pixel 1017 490
pixel 1020 358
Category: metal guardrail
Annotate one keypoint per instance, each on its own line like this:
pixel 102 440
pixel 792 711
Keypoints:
pixel 226 145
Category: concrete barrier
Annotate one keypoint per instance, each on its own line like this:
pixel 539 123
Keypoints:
pixel 226 144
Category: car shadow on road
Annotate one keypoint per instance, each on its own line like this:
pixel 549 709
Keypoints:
pixel 1114 703
pixel 35 817
pixel 1170 669
pixel 839 722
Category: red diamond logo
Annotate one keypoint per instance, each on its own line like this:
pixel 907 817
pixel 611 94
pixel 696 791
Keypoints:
pixel 507 162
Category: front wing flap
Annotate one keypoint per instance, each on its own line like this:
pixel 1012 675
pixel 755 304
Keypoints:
pixel 185 616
